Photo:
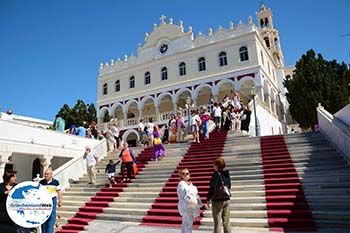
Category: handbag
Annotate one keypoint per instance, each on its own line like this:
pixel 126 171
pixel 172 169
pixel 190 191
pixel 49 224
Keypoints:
pixel 157 141
pixel 222 193
pixel 134 167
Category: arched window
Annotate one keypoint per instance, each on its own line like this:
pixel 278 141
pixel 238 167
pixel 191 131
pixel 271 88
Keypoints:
pixel 261 23
pixel 147 78
pixel 243 53
pixel 276 43
pixel 201 64
pixel 105 89
pixel 262 57
pixel 267 42
pixel 117 85
pixel 182 68
pixel 267 22
pixel 164 73
pixel 223 59
pixel 132 82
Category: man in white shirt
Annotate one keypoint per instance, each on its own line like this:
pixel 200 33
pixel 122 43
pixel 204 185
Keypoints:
pixel 115 131
pixel 91 162
pixel 141 129
pixel 217 115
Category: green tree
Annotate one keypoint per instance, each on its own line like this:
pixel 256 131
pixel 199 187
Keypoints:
pixel 314 81
pixel 79 114
pixel 106 117
pixel 91 113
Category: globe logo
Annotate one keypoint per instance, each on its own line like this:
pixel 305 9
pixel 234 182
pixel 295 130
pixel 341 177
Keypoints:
pixel 29 204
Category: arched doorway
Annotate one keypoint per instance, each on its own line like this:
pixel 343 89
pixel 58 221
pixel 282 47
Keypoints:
pixel 132 139
pixel 226 88
pixel 118 113
pixel 166 107
pixel 203 95
pixel 246 89
pixel 181 102
pixel 37 168
pixel 132 114
pixel 149 110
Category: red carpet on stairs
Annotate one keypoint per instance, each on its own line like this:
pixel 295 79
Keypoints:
pixel 199 160
pixel 287 207
pixel 100 201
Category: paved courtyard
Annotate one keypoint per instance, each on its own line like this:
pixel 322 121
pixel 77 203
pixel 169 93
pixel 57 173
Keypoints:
pixel 114 227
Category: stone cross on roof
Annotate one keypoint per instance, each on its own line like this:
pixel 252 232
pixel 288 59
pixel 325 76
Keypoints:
pixel 162 18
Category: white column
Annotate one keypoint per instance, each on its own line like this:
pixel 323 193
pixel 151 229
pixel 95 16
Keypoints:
pixel 4 159
pixel 194 103
pixel 175 107
pixel 216 98
pixel 125 120
pixel 140 115
pixel 157 119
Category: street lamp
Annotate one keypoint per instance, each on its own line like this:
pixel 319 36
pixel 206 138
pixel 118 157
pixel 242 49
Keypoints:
pixel 188 107
pixel 253 93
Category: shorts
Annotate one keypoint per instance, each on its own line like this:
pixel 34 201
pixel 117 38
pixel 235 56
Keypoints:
pixel 110 175
pixel 194 128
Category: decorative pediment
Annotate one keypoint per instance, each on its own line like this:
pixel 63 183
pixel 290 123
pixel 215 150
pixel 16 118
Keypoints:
pixel 169 31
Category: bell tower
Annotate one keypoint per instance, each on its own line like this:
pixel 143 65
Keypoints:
pixel 265 17
pixel 270 34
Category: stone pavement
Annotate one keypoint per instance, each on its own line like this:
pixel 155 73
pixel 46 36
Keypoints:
pixel 119 227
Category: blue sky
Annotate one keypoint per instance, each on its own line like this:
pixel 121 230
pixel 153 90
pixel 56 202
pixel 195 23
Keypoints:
pixel 50 50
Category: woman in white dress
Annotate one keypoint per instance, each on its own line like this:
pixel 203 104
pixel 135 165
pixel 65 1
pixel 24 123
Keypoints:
pixel 189 201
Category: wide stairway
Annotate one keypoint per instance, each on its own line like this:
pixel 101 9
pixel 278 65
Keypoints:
pixel 295 183
pixel 85 201
pixel 199 160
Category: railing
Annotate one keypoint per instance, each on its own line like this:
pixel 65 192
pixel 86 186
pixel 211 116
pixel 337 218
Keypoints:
pixel 335 129
pixel 165 116
pixel 131 121
pixel 76 167
pixel 21 138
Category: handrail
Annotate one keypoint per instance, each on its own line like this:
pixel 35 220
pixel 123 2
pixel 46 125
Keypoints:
pixel 76 167
pixel 335 130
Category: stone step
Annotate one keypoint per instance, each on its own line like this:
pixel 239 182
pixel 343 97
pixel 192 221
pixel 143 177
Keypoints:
pixel 76 198
pixel 65 214
pixel 241 213
pixel 134 199
pixel 120 217
pixel 126 211
pixel 239 222
pixel 123 203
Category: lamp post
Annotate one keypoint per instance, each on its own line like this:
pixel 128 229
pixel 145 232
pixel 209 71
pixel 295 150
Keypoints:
pixel 253 93
pixel 188 107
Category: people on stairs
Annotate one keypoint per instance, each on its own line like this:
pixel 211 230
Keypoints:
pixel 158 148
pixel 219 196
pixel 128 159
pixel 91 162
pixel 189 201
pixel 196 122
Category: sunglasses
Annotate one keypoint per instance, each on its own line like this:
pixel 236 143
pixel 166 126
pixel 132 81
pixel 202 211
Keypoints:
pixel 185 173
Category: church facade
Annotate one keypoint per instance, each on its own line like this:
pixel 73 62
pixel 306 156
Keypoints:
pixel 175 69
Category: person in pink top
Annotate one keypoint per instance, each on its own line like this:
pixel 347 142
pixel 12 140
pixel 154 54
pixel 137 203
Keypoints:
pixel 205 122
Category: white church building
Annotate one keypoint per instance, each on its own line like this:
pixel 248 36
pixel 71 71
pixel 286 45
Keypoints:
pixel 174 65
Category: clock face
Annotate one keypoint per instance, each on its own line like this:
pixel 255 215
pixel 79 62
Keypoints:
pixel 163 48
